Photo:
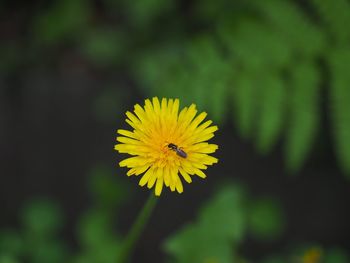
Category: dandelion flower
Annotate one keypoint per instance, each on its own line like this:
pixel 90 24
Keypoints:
pixel 167 145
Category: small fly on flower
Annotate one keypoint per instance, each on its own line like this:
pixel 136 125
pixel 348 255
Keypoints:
pixel 178 150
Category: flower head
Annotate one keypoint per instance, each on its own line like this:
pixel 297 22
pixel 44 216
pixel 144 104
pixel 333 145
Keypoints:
pixel 167 145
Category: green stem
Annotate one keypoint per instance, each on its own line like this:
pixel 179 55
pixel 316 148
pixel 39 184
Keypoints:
pixel 137 229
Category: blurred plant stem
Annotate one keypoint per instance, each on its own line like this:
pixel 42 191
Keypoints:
pixel 137 228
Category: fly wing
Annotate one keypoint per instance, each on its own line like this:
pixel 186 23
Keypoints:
pixel 181 153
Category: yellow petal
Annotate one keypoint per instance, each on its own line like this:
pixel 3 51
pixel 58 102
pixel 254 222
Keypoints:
pixel 127 133
pixel 149 110
pixel 131 172
pixel 203 126
pixel 128 148
pixel 179 186
pixel 175 108
pixel 199 173
pixel 185 175
pixel 199 165
pixel 164 106
pixel 145 177
pixel 170 106
pixel 166 175
pixel 140 113
pixel 159 186
pixel 188 116
pixel 141 169
pixel 132 117
pixel 152 179
pixel 203 138
pixel 197 120
pixel 203 147
pixel 134 161
pixel 209 160
pixel 156 105
pixel 128 140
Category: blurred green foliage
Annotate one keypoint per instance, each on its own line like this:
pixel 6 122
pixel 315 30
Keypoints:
pixel 223 224
pixel 217 232
pixel 61 22
pixel 50 218
pixel 103 46
pixel 268 66
pixel 38 238
pixel 98 239
pixel 265 63
pixel 266 219
pixel 336 255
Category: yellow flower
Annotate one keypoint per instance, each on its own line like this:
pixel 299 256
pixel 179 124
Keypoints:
pixel 166 144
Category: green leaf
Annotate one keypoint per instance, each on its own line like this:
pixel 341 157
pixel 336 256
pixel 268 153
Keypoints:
pixel 106 253
pixel 340 106
pixel 336 255
pixel 271 111
pixel 244 97
pixel 335 14
pixel 42 218
pixel 5 258
pixel 142 13
pixel 293 25
pixel 49 252
pixel 95 230
pixel 193 244
pixel 255 45
pixel 303 120
pixel 11 242
pixel 266 220
pixel 207 9
pixel 104 46
pixel 163 74
pixel 226 211
pixel 209 79
pixel 64 20
pixel 220 226
pixel 218 107
pixel 107 189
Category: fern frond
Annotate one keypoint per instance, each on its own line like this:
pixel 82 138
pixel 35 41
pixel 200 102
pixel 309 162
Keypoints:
pixel 244 97
pixel 63 20
pixel 257 46
pixel 340 105
pixel 293 25
pixel 303 120
pixel 336 16
pixel 218 97
pixel 210 74
pixel 161 71
pixel 271 110
pixel 144 12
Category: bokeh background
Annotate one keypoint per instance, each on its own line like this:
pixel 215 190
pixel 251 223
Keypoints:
pixel 274 75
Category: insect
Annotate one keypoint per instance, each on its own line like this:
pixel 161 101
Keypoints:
pixel 178 150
